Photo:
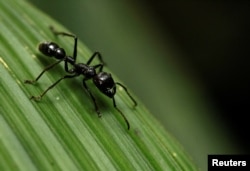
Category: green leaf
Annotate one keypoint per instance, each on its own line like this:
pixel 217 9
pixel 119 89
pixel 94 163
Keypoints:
pixel 62 131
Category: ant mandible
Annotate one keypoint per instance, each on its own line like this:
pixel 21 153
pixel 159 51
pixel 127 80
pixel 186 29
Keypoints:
pixel 102 80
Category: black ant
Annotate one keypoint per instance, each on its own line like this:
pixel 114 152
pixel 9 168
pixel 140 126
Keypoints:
pixel 102 80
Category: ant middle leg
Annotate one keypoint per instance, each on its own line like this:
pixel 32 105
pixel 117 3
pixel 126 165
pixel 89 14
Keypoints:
pixel 39 76
pixel 51 86
pixel 92 97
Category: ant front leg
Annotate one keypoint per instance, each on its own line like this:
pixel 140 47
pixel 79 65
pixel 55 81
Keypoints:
pixel 99 66
pixel 39 76
pixel 92 97
pixel 98 55
pixel 129 95
pixel 124 117
pixel 69 35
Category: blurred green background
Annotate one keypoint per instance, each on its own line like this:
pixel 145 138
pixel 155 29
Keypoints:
pixel 186 61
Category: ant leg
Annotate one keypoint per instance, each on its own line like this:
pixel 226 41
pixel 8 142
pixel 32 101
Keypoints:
pixel 124 117
pixel 50 87
pixel 69 35
pixel 75 46
pixel 66 67
pixel 99 66
pixel 135 103
pixel 92 97
pixel 96 54
pixel 46 69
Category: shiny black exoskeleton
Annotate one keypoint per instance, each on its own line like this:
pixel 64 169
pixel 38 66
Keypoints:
pixel 102 80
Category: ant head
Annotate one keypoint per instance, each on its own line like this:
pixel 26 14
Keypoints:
pixel 105 83
pixel 51 49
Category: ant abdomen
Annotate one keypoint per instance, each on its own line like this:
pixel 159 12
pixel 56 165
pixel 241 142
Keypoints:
pixel 51 49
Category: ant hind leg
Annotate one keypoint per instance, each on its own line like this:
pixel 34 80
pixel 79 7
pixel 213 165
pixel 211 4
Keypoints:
pixel 69 35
